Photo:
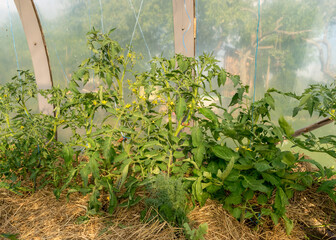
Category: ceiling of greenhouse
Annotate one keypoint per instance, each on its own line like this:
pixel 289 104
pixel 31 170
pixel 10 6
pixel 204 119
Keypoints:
pixel 296 39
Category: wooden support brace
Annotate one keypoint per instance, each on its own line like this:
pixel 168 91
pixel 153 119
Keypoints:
pixel 312 127
pixel 38 50
pixel 184 27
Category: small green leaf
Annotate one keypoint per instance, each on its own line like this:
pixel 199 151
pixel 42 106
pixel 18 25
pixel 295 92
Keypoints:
pixel 181 107
pixel 68 154
pixel 275 218
pixel 109 79
pixel 84 172
pixel 307 180
pixel 196 136
pixel 94 167
pixel 286 127
pixel 266 211
pixel 10 236
pixel 234 199
pixel 178 154
pixel 262 199
pixel 248 194
pixel 113 202
pixel 221 78
pixel 227 170
pixel 288 158
pixel 288 224
pixel 304 99
pixel 237 212
pixel 235 79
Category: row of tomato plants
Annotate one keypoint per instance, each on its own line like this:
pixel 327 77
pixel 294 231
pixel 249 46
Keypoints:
pixel 169 121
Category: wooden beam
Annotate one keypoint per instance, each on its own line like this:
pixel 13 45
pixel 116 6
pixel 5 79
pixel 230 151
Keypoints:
pixel 184 27
pixel 312 127
pixel 38 50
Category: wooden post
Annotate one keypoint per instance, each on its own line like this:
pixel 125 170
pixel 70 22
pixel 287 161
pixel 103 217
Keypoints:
pixel 184 27
pixel 38 50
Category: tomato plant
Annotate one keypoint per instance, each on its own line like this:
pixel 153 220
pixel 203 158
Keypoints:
pixel 170 120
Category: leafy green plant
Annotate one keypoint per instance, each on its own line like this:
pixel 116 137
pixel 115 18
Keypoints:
pixel 320 99
pixel 169 197
pixel 28 149
pixel 196 234
pixel 172 121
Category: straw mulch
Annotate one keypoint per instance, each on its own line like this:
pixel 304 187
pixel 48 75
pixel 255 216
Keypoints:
pixel 41 216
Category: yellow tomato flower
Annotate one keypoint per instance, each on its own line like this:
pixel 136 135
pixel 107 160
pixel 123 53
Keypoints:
pixel 94 102
pixel 134 90
pixel 134 102
pixel 22 127
pixel 128 106
pixel 5 95
pixel 104 102
pixel 117 109
pixel 237 149
pixel 155 102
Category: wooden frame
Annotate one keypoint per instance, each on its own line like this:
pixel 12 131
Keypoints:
pixel 184 27
pixel 38 50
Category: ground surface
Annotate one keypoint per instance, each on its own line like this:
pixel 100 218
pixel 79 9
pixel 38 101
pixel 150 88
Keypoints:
pixel 41 216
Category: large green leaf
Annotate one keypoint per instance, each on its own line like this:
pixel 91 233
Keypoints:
pixel 84 172
pixel 94 167
pixel 108 150
pixel 262 166
pixel 198 154
pixel 255 184
pixel 208 113
pixel 224 152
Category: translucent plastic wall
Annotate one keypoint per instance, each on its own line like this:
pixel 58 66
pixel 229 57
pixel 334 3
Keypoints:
pixel 296 45
pixel 10 26
pixel 65 24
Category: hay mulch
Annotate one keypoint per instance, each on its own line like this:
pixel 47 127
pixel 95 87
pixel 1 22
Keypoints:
pixel 41 216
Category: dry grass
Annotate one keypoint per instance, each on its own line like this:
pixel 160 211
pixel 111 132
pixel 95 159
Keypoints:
pixel 41 216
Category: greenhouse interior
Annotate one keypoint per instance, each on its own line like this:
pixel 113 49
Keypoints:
pixel 182 119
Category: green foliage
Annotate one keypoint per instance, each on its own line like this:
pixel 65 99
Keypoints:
pixel 28 149
pixel 119 143
pixel 169 197
pixel 10 236
pixel 196 234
